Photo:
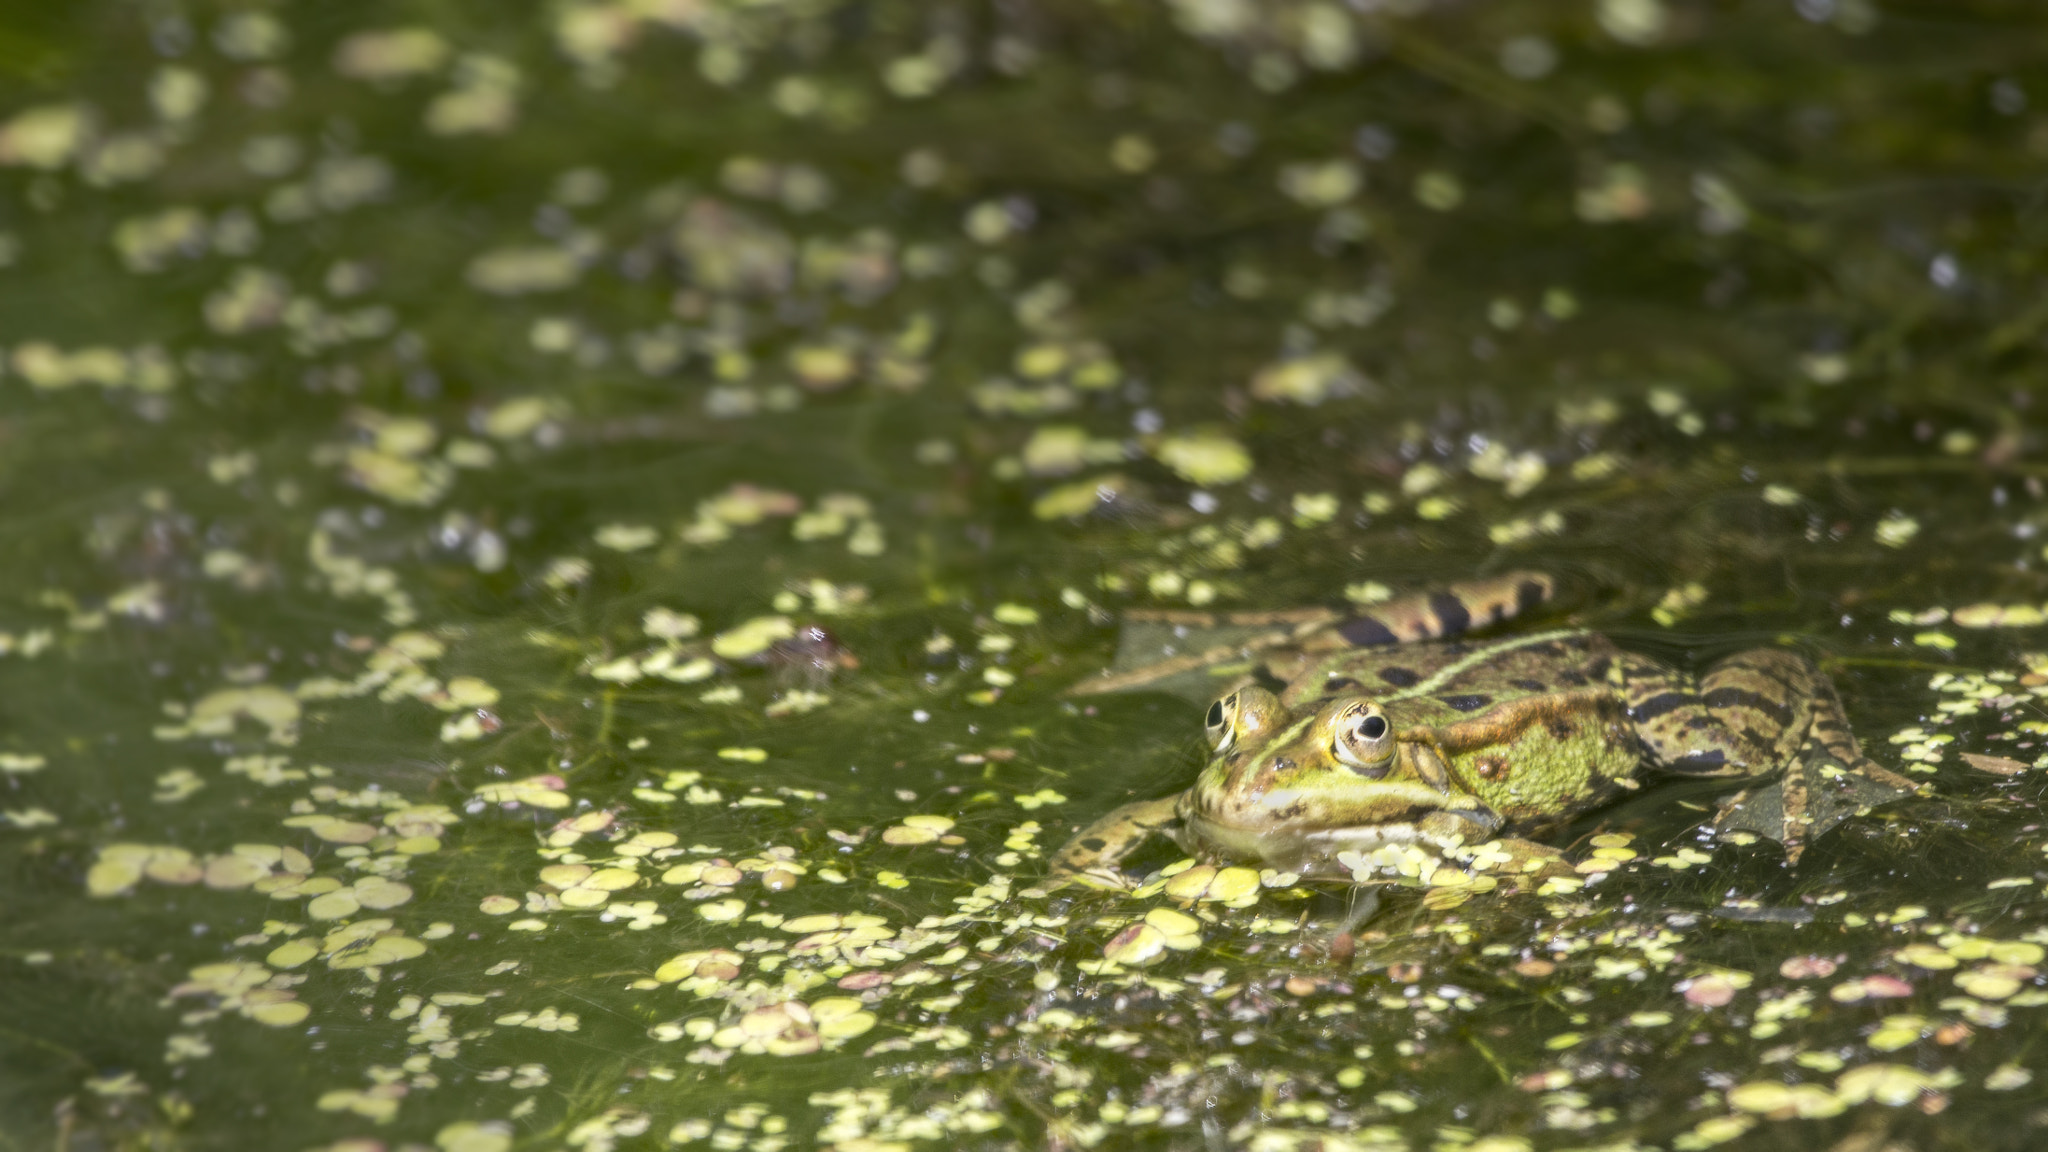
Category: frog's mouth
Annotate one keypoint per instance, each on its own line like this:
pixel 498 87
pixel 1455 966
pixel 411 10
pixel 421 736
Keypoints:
pixel 1312 850
pixel 1257 842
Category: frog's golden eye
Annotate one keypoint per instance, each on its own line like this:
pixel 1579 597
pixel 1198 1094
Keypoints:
pixel 1363 740
pixel 1244 714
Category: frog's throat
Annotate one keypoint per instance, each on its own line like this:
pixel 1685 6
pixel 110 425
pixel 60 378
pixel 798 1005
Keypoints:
pixel 1303 849
pixel 1280 826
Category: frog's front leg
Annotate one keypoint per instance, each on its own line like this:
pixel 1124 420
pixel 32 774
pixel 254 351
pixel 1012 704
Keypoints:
pixel 1472 843
pixel 1093 856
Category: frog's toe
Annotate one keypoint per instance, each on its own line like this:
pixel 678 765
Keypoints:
pixel 1818 791
pixel 1102 878
pixel 1094 856
pixel 1761 811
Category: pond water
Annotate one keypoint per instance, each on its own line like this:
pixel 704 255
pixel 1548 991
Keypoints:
pixel 430 434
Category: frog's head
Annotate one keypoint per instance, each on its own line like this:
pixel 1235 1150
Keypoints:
pixel 1289 786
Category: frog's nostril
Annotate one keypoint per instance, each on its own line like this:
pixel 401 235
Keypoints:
pixel 1279 764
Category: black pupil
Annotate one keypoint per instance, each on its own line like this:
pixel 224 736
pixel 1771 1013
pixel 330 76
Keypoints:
pixel 1374 727
pixel 1215 719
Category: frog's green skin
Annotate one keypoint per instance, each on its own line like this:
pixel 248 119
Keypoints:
pixel 1442 744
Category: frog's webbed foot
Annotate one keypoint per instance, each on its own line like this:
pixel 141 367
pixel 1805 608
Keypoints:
pixel 1093 855
pixel 1820 789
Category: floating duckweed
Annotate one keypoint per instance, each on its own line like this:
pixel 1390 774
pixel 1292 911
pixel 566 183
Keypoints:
pixel 1237 887
pixel 1891 1084
pixel 250 989
pixel 215 715
pixel 1523 529
pixel 277 1013
pixel 1314 507
pixel 626 537
pixel 46 136
pixel 523 270
pixel 1926 956
pixel 1897 530
pixel 1081 497
pixel 583 887
pixel 391 54
pixel 1015 615
pixel 1307 380
pixel 121 866
pixel 475 1136
pixel 917 830
pixel 1138 944
pixel 1678 602
pixel 668 624
pixel 1770 1097
pixel 545 1020
pixel 47 367
pixel 1620 192
pixel 720 910
pixel 2007 1077
pixel 753 637
pixel 332 907
pixel 1998 616
pixel 1208 457
pixel 841 1018
pixel 534 791
pixel 1368 592
pixel 1995 981
pixel 1517 472
pixel 1870 988
pixel 1439 191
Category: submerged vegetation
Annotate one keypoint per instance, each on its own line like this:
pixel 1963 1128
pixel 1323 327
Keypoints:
pixel 543 553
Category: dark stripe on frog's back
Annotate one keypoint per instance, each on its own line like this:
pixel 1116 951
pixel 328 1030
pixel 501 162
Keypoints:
pixel 1506 669
pixel 1371 672
pixel 1513 667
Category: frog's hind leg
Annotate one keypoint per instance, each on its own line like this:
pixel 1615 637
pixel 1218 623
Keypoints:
pixel 1744 717
pixel 1826 782
pixel 1433 615
pixel 1197 655
pixel 1756 712
pixel 1093 855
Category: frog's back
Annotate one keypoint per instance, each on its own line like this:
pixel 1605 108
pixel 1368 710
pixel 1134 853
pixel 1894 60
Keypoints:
pixel 1463 678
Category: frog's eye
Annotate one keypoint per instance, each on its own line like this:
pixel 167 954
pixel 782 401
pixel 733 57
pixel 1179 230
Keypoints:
pixel 1362 740
pixel 1216 725
pixel 1244 714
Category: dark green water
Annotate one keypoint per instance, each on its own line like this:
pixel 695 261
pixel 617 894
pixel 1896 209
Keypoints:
pixel 418 418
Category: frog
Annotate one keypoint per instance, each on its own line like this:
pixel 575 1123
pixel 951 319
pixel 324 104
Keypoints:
pixel 1337 734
